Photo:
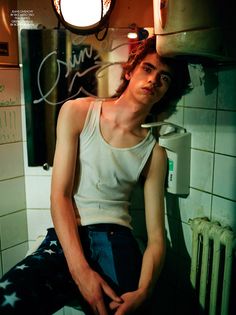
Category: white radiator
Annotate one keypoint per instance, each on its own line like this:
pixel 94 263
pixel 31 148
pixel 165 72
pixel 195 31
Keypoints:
pixel 211 266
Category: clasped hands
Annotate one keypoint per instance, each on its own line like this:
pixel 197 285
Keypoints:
pixel 93 288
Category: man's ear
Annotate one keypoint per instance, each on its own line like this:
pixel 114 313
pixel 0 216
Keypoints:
pixel 127 76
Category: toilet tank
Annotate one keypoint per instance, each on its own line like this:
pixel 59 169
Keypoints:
pixel 196 27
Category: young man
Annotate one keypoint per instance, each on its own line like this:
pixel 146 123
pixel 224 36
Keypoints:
pixel 102 151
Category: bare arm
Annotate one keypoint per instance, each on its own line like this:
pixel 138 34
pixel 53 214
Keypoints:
pixel 70 124
pixel 155 251
pixel 154 208
pixel 62 210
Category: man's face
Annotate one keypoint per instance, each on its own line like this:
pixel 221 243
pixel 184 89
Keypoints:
pixel 150 80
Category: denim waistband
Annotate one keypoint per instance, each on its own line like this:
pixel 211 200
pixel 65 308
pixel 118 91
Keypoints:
pixel 105 227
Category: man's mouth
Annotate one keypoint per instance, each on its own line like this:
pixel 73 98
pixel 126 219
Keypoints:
pixel 148 90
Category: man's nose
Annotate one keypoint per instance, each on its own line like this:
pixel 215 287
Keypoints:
pixel 155 79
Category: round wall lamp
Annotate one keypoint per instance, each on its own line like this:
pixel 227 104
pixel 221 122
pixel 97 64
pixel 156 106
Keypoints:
pixel 84 17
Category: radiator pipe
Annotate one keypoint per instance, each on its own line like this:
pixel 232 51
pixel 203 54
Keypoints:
pixel 227 238
pixel 194 265
pixel 204 266
pixel 197 228
pixel 215 234
pixel 204 232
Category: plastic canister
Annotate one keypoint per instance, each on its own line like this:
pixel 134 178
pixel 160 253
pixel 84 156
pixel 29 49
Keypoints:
pixel 178 150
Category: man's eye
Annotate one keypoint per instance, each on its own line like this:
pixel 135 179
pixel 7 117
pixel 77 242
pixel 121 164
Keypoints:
pixel 147 69
pixel 166 78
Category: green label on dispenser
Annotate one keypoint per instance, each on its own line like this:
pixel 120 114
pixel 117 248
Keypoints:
pixel 171 165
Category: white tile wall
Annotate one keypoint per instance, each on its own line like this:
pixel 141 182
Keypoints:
pixel 10 86
pixel 177 117
pixel 201 124
pixel 38 192
pixel 201 170
pixel 197 204
pixel 12 195
pixel 1 273
pixel 11 160
pixel 10 124
pixel 225 133
pixel 226 88
pixel 13 229
pixel 224 211
pixel 35 216
pixel 13 224
pixel 23 117
pixel 225 176
pixel 13 255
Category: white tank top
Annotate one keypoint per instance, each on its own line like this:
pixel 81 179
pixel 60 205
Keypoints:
pixel 107 174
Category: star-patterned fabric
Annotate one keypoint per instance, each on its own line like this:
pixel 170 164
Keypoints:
pixel 40 276
pixel 41 283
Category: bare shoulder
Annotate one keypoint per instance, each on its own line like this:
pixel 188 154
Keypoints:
pixel 157 162
pixel 73 112
pixel 159 153
pixel 77 106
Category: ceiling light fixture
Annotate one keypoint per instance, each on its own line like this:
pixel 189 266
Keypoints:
pixel 84 17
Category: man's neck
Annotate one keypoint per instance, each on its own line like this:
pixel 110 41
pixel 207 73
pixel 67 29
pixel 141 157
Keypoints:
pixel 130 115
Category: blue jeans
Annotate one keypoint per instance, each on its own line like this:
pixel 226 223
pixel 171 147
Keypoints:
pixel 41 284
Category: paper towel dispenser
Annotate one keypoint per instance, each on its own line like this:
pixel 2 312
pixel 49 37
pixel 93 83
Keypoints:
pixel 203 28
pixel 177 142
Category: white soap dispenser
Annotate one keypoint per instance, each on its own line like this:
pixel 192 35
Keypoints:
pixel 177 143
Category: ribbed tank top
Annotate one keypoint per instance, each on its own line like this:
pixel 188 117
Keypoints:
pixel 107 174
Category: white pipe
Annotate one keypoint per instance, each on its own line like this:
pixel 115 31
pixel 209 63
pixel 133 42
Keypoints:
pixel 195 244
pixel 227 238
pixel 215 235
pixel 204 267
pixel 162 123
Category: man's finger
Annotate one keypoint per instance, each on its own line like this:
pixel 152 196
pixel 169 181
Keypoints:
pixel 101 308
pixel 109 292
pixel 114 305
